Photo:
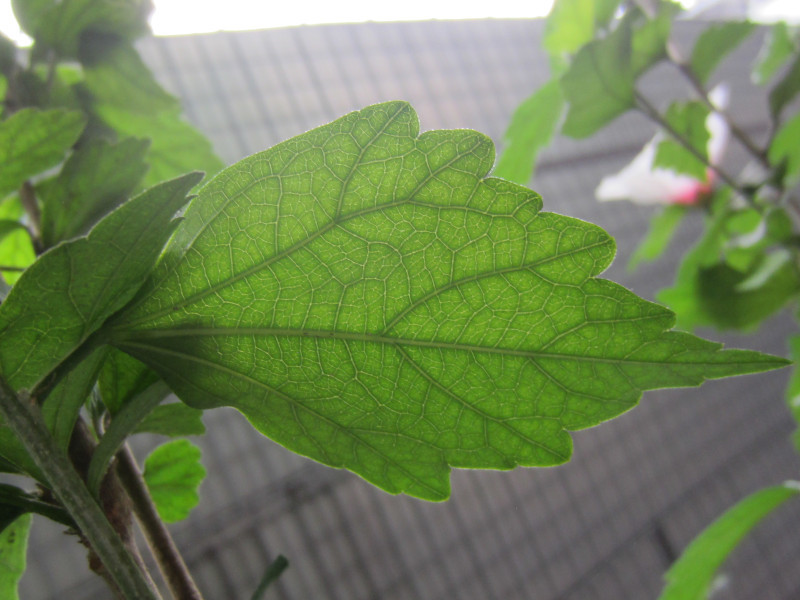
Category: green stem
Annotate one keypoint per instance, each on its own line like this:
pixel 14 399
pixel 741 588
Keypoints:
pixel 25 419
pixel 166 553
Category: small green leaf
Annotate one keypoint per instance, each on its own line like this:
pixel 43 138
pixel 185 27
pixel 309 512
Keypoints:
pixel 778 47
pixel 662 229
pixel 786 148
pixel 173 474
pixel 692 575
pixel 16 247
pixel 96 179
pixel 599 84
pixel 649 43
pixel 8 226
pixel 69 291
pixel 122 425
pixel 531 129
pixel 173 420
pixel 175 146
pixel 716 42
pixel 122 378
pixel 13 556
pixel 33 140
pixel 786 89
pixel 64 402
pixel 116 76
pixel 688 119
pixel 367 297
pixel 571 24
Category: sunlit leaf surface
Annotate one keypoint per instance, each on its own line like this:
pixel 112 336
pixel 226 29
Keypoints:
pixel 366 296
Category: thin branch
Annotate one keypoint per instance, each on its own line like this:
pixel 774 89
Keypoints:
pixel 27 422
pixel 651 112
pixel 10 268
pixel 166 553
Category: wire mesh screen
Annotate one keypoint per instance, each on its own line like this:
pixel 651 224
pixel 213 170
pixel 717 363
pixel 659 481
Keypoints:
pixel 604 526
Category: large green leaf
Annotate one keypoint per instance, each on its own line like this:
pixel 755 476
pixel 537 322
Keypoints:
pixel 786 89
pixel 716 42
pixel 599 84
pixel 692 575
pixel 367 297
pixel 96 179
pixel 531 129
pixel 33 140
pixel 173 473
pixel 13 556
pixel 778 47
pixel 69 291
pixel 688 119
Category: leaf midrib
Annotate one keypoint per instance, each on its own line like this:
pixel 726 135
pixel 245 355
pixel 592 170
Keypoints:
pixel 136 338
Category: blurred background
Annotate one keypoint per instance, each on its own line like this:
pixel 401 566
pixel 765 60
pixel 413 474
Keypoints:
pixel 606 525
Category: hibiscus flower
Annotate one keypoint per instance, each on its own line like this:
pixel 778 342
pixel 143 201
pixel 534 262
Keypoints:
pixel 643 183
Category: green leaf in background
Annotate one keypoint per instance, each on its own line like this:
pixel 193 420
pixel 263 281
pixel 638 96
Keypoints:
pixel 173 474
pixel 793 389
pixel 33 140
pixel 117 76
pixel 367 297
pixel 173 420
pixel 16 247
pixel 692 575
pixel 714 44
pixel 715 281
pixel 175 146
pixel 649 42
pixel 599 84
pixel 64 25
pixel 96 179
pixel 688 119
pixel 778 47
pixel 570 25
pixel 786 147
pixel 13 556
pixel 122 378
pixel 15 502
pixel 69 291
pixel 662 228
pixel 531 129
pixel 786 89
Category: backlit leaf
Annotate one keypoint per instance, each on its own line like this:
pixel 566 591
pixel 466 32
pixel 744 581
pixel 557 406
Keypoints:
pixel 13 556
pixel 786 89
pixel 33 140
pixel 367 297
pixel 714 44
pixel 599 84
pixel 122 378
pixel 785 147
pixel 69 291
pixel 662 229
pixel 692 575
pixel 571 24
pixel 531 129
pixel 96 179
pixel 778 47
pixel 173 474
pixel 688 119
pixel 174 420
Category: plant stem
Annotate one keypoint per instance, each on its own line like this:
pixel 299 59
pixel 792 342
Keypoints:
pixel 166 553
pixel 652 113
pixel 25 419
pixel 10 268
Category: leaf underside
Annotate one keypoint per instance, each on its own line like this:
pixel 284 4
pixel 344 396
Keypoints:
pixel 367 297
